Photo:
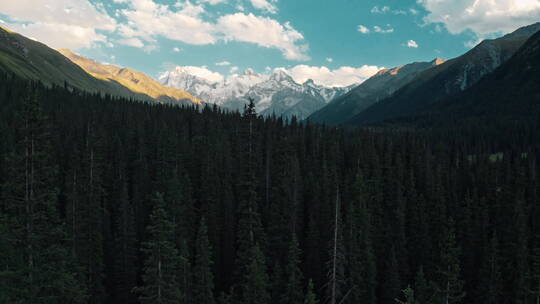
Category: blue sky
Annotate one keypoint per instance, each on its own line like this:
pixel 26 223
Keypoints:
pixel 328 40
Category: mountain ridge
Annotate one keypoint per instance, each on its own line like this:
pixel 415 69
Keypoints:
pixel 274 94
pixel 135 81
pixel 379 86
pixel 448 79
pixel 30 59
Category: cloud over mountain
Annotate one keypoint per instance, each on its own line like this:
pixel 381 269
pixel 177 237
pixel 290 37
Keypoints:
pixel 483 17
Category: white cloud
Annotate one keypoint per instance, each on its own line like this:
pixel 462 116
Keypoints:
pixel 413 11
pixel 264 32
pixel 363 29
pixel 2 21
pixel 387 9
pixel 382 10
pixel 223 63
pixel 265 5
pixel 341 77
pixel 329 59
pixel 233 69
pixel 134 42
pixel 177 50
pixel 148 20
pixel 412 44
pixel 60 35
pixel 483 17
pixel 60 24
pixel 378 29
pixel 212 2
pixel 81 24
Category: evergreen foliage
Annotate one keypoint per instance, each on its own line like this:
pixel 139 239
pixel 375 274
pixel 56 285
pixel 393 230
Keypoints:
pixel 451 212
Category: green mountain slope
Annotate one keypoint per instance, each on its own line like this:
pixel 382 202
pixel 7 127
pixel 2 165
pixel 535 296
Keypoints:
pixel 31 59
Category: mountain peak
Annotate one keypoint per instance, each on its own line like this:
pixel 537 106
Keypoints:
pixel 280 74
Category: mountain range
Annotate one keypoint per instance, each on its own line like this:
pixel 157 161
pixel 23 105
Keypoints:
pixel 274 94
pixel 411 90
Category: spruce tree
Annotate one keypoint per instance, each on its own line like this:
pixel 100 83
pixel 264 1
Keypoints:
pixel 249 228
pixel 203 283
pixel 159 280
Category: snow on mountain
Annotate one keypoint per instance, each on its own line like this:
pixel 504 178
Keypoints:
pixel 274 94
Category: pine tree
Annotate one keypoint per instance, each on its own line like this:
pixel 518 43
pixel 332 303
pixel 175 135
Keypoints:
pixel 203 284
pixel 311 297
pixel 159 273
pixel 293 290
pixel 449 286
pixel 255 290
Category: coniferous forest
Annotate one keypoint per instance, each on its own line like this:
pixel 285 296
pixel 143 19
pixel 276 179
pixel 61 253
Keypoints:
pixel 106 200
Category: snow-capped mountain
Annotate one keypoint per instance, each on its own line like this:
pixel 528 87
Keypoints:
pixel 274 94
